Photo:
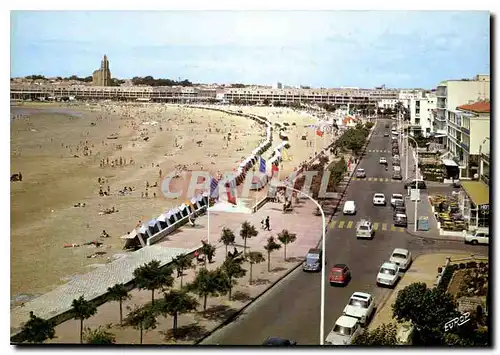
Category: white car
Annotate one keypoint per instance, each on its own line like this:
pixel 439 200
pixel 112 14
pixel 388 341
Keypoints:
pixel 382 160
pixel 379 199
pixel 395 157
pixel 364 229
pixel 349 207
pixel 344 331
pixel 388 275
pixel 396 197
pixel 360 306
pixel 479 237
pixel 402 258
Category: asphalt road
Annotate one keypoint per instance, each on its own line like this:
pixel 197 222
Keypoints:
pixel 292 308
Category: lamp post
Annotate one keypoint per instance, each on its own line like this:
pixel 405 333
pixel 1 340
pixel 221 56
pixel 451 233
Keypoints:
pixel 416 174
pixel 323 267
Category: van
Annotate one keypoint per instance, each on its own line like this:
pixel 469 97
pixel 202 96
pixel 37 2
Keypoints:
pixel 349 207
pixel 413 184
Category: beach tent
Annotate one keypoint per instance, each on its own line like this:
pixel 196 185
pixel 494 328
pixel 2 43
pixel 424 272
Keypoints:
pixel 184 209
pixel 132 239
pixel 153 227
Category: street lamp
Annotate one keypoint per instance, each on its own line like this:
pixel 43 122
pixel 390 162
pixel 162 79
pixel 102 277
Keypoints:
pixel 416 175
pixel 323 267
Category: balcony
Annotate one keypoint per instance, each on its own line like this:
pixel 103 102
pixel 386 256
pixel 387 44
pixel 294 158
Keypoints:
pixel 441 91
pixel 464 146
pixel 465 130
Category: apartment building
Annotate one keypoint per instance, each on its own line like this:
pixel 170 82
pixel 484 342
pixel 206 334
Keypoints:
pixel 453 93
pixel 421 110
pixel 387 103
pixel 468 127
pixel 406 95
pixel 484 161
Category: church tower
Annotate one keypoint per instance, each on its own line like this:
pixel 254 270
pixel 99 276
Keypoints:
pixel 102 76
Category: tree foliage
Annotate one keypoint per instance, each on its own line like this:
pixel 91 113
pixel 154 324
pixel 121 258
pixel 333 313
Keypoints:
pixel 270 247
pixel 385 334
pixel 174 303
pixel 207 283
pixel 232 269
pixel 152 277
pixel 285 237
pixel 247 231
pixel 208 250
pixel 227 237
pixel 83 309
pixel 38 330
pixel 142 318
pixel 150 81
pixel 254 257
pixel 98 335
pixel 119 293
pixel 181 263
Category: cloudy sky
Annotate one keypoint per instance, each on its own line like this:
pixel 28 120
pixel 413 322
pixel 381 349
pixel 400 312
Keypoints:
pixel 317 48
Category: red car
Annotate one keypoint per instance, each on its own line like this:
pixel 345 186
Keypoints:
pixel 340 274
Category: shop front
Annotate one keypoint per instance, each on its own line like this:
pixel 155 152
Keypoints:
pixel 475 203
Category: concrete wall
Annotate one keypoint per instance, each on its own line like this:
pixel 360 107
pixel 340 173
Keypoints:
pixel 461 92
pixel 479 130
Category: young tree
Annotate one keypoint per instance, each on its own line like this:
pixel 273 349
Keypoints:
pixel 286 238
pixel 174 303
pixel 206 283
pixel 427 309
pixel 254 257
pixel 247 231
pixel 270 247
pixel 209 251
pixel 151 277
pixel 227 237
pixel 119 293
pixel 232 269
pixel 385 334
pixel 37 330
pixel 83 310
pixel 98 336
pixel 143 318
pixel 183 262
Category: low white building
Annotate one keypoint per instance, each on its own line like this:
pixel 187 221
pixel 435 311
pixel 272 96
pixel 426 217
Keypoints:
pixel 421 110
pixel 387 103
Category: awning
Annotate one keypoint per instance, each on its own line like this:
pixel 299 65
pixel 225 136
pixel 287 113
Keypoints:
pixel 449 162
pixel 477 191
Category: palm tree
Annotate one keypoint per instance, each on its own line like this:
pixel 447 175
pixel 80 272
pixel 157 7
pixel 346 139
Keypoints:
pixel 227 237
pixel 209 251
pixel 37 330
pixel 254 257
pixel 98 336
pixel 174 303
pixel 151 277
pixel 286 238
pixel 247 231
pixel 119 293
pixel 143 318
pixel 232 269
pixel 83 310
pixel 270 247
pixel 207 283
pixel 183 262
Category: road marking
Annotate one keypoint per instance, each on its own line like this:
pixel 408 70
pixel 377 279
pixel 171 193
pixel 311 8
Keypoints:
pixel 375 226
pixel 341 224
pixel 332 224
pixel 384 226
pixel 401 229
pixel 349 225
pixel 393 228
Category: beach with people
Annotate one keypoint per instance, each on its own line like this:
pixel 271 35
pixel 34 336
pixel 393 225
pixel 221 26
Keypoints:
pixel 91 173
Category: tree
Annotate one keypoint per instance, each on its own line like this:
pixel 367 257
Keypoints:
pixel 207 283
pixel 270 247
pixel 247 231
pixel 427 309
pixel 286 238
pixel 183 262
pixel 385 334
pixel 119 293
pixel 254 257
pixel 176 302
pixel 265 102
pixel 209 251
pixel 151 277
pixel 83 310
pixel 37 330
pixel 99 336
pixel 143 318
pixel 232 269
pixel 227 237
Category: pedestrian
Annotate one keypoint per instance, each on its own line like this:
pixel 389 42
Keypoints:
pixel 268 226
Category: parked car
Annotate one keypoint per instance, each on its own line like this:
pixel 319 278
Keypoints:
pixel 396 162
pixel 379 199
pixel 396 168
pixel 345 330
pixel 277 341
pixel 396 175
pixel 402 258
pixel 364 229
pixel 382 160
pixel 360 173
pixel 360 306
pixel 399 203
pixel 388 275
pixel 313 260
pixel 349 207
pixel 413 184
pixel 386 134
pixel 396 197
pixel 395 156
pixel 399 210
pixel 339 275
pixel 478 237
pixel 400 220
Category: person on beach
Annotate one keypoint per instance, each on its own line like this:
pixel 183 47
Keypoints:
pixel 267 224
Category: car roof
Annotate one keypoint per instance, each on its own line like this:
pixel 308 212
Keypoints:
pixel 397 195
pixel 346 321
pixel 388 265
pixel 401 215
pixel 364 222
pixel 401 251
pixel 339 266
pixel 275 341
pixel 363 295
pixel 314 251
pixel 361 169
pixel 349 202
pixel 379 193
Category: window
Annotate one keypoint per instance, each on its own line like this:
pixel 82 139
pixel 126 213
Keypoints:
pixel 386 271
pixel 342 330
pixel 399 256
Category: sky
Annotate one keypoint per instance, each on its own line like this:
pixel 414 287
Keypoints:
pixel 399 49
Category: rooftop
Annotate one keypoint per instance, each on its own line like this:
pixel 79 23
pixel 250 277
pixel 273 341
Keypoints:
pixel 476 107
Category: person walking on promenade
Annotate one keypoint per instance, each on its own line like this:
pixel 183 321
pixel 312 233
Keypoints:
pixel 267 224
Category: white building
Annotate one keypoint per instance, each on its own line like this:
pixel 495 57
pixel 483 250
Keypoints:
pixel 406 95
pixel 421 110
pixel 453 93
pixel 387 103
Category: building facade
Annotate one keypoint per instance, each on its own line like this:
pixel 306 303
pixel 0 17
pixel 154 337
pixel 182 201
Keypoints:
pixel 102 76
pixel 406 95
pixel 421 110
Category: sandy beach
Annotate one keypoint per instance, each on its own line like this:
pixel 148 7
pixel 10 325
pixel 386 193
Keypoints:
pixel 67 154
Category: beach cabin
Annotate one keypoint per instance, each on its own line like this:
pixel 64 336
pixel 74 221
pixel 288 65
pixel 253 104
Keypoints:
pixel 153 227
pixel 162 221
pixel 133 240
pixel 185 210
pixel 144 233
